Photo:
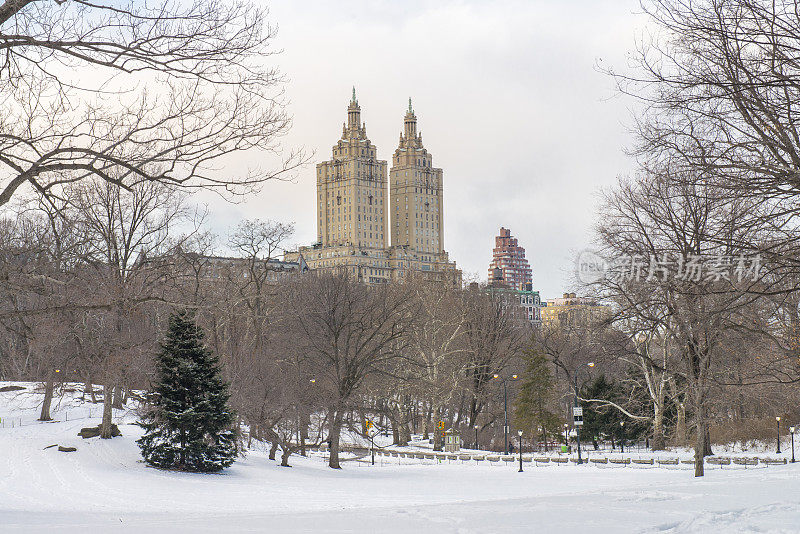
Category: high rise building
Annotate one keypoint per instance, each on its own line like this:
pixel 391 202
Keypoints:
pixel 351 189
pixel 509 263
pixel 416 193
pixel 353 209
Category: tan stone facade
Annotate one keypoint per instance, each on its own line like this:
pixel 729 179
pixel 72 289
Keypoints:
pixel 573 311
pixel 416 193
pixel 352 199
pixel 354 206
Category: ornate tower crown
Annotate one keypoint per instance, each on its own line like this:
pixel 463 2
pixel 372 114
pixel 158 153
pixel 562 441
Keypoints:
pixel 353 127
pixel 410 123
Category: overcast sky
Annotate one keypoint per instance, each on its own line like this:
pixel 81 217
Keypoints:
pixel 507 95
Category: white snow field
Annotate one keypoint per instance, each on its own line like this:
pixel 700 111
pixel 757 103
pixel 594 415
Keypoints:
pixel 104 487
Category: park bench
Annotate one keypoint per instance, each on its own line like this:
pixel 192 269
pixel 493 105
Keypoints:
pixel 508 459
pixel 527 459
pixel 745 461
pixel 668 461
pixel 619 461
pixel 478 459
pixel 464 457
pixel 559 460
pixel 640 461
pixel 687 462
pixel 718 461
pixel 773 461
pixel 493 459
pixel 541 460
pixel 599 460
pixel 428 456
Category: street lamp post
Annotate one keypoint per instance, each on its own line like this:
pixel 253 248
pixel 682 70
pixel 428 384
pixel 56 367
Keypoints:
pixel 476 437
pixel 519 433
pixel 505 408
pixel 566 438
pixel 622 437
pixel 791 430
pixel 778 421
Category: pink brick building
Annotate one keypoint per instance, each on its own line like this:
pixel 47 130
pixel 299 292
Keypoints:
pixel 509 263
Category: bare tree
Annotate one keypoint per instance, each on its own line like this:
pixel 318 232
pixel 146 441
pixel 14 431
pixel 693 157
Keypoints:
pixel 494 334
pixel 718 81
pixel 673 223
pixel 437 349
pixel 349 332
pixel 126 228
pixel 136 93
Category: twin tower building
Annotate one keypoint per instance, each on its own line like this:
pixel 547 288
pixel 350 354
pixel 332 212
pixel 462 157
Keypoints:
pixel 359 208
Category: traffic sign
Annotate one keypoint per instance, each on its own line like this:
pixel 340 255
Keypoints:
pixel 577 415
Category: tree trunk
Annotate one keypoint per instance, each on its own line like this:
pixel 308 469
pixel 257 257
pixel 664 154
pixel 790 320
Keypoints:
pixel 707 441
pixel 680 426
pixel 273 449
pixel 699 445
pixel 105 426
pixel 438 438
pixel 336 430
pixel 49 387
pixel 117 398
pixel 91 390
pixel 285 457
pixel 395 429
pixel 659 443
pixel 700 434
pixel 305 421
pixel 404 434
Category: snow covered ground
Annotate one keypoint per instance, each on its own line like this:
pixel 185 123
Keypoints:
pixel 104 487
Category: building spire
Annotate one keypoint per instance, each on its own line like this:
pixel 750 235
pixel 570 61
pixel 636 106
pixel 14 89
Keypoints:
pixel 410 123
pixel 354 115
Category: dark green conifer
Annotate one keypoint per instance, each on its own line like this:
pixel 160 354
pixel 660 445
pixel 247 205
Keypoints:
pixel 188 425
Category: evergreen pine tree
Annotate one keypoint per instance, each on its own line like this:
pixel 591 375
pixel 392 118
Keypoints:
pixel 188 425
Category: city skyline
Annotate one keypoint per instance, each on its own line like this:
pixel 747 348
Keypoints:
pixel 517 151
